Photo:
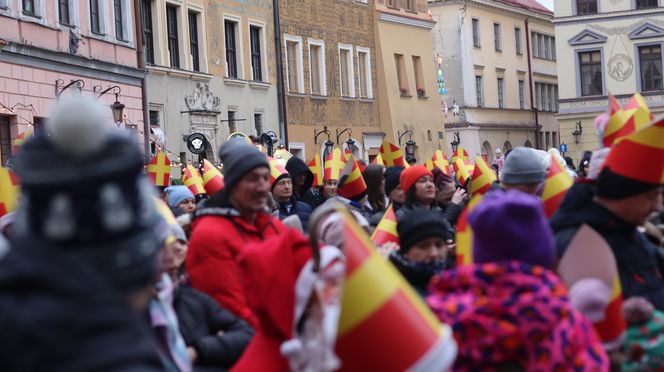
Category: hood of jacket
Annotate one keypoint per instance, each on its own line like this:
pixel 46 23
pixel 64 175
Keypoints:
pixel 417 274
pixel 511 313
pixel 295 167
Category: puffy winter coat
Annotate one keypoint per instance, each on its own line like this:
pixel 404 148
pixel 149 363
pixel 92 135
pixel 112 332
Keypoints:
pixel 293 206
pixel 201 320
pixel 59 314
pixel 218 236
pixel 636 258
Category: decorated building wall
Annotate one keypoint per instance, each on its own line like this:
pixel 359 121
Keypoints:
pixel 625 47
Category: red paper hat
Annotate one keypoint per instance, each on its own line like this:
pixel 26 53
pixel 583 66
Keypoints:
pixel 316 167
pixel 555 187
pixel 483 177
pixel 351 184
pixel 213 180
pixel 625 121
pixel 277 171
pixel 159 170
pixel 334 164
pixel 392 155
pixel 193 180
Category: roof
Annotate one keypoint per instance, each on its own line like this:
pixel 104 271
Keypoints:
pixel 528 4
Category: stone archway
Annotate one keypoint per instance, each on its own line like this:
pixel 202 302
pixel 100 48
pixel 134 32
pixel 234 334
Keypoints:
pixel 487 151
pixel 507 146
pixel 528 144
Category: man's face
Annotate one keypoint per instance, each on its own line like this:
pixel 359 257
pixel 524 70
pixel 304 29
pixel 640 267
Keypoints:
pixel 283 190
pixel 250 193
pixel 330 188
pixel 636 209
pixel 398 196
pixel 299 180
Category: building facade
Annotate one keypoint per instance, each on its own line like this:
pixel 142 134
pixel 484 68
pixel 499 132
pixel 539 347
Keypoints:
pixel 329 69
pixel 407 81
pixel 607 47
pixel 498 61
pixel 86 46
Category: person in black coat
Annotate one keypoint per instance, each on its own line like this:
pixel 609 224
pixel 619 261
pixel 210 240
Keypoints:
pixel 287 203
pixel 616 218
pixel 218 336
pixel 303 178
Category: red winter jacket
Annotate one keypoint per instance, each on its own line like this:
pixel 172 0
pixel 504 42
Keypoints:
pixel 218 236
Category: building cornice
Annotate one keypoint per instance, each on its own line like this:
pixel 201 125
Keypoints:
pixel 24 54
pixel 608 15
pixel 405 20
pixel 506 8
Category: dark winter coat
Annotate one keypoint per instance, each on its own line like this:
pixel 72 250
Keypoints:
pixel 451 212
pixel 306 194
pixel 417 275
pixel 201 319
pixel 636 258
pixel 219 235
pixel 57 313
pixel 293 206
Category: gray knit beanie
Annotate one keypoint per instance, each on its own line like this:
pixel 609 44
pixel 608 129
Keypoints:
pixel 523 167
pixel 239 158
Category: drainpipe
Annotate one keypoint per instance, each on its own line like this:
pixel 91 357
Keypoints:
pixel 281 99
pixel 531 84
pixel 140 56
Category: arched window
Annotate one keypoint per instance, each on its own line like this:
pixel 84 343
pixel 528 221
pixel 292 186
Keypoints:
pixel 486 149
pixel 528 144
pixel 356 149
pixel 508 146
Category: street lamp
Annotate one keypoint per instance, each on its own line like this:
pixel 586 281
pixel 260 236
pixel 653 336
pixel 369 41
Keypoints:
pixel 455 143
pixel 61 87
pixel 410 145
pixel 268 139
pixel 117 108
pixel 578 131
pixel 329 145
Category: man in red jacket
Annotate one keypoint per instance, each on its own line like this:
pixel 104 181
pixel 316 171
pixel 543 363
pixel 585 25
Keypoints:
pixel 231 219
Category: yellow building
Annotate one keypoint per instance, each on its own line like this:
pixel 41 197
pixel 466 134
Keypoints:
pixel 498 60
pixel 606 46
pixel 407 87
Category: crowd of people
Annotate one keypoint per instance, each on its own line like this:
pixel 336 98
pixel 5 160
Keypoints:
pixel 101 270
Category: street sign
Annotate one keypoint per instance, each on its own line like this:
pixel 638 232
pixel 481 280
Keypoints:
pixel 563 148
pixel 197 143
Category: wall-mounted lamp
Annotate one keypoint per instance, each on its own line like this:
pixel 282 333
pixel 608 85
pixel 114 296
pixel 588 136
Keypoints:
pixel 578 131
pixel 117 108
pixel 61 87
pixel 455 143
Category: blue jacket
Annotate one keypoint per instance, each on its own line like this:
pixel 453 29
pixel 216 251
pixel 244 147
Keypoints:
pixel 293 206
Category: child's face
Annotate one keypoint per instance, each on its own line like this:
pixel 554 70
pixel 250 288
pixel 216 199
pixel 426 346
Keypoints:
pixel 174 254
pixel 427 250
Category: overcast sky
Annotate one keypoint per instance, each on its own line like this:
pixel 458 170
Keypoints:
pixel 547 3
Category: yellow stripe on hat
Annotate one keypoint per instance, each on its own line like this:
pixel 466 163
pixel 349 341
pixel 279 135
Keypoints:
pixel 653 136
pixel 367 301
pixel 556 184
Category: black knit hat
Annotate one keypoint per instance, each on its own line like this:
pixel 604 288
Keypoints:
pixel 239 158
pixel 419 224
pixel 392 176
pixel 613 186
pixel 92 200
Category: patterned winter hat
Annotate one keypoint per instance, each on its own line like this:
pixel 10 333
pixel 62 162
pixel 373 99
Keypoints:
pixel 84 192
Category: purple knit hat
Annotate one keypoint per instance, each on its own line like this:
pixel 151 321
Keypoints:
pixel 511 226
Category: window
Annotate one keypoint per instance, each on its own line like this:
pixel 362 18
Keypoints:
pixel 546 97
pixel 230 29
pixel 410 5
pixel 650 61
pixel 193 41
pixel 501 93
pixel 346 75
pixel 172 28
pixel 401 75
pixel 294 68
pixel 554 140
pixel 496 37
pixel 117 11
pixel 231 122
pixel 317 67
pixel 392 3
pixel 517 40
pixel 479 88
pixel 258 124
pixel 645 4
pixel 255 33
pixel 95 25
pixel 29 7
pixel 590 71
pixel 146 13
pixel 544 46
pixel 364 72
pixel 5 139
pixel 586 7
pixel 63 12
pixel 476 33
pixel 419 77
pixel 522 94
